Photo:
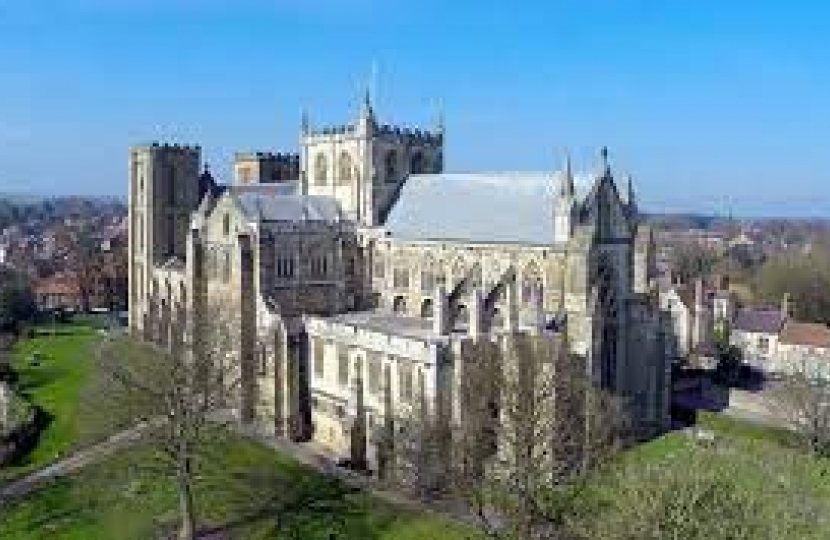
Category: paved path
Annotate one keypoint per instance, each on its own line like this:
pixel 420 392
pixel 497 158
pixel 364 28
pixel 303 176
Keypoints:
pixel 67 466
pixel 307 453
pixel 758 407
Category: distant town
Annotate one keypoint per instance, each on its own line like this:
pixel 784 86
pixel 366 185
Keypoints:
pixel 72 250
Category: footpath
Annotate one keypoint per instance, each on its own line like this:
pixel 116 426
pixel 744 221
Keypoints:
pixel 308 454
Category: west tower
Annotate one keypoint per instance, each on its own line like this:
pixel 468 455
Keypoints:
pixel 164 189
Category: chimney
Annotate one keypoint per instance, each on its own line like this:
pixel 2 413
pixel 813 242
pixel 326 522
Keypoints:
pixel 786 306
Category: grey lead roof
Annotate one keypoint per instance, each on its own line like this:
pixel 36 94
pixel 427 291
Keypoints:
pixel 281 202
pixel 767 321
pixel 386 323
pixel 478 207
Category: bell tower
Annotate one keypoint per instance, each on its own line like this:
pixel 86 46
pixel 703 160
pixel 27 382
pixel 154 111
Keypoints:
pixel 364 164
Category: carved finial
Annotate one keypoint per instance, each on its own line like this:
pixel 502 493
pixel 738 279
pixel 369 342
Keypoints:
pixel 606 166
pixel 440 126
pixel 568 163
pixel 305 125
pixel 366 109
pixel 629 189
pixel 367 113
pixel 566 187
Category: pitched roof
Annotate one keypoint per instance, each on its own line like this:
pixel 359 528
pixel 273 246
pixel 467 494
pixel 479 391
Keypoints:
pixel 275 188
pixel 478 207
pixel 767 321
pixel 59 284
pixel 281 202
pixel 803 333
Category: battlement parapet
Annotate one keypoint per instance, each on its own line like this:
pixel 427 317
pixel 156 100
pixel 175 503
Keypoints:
pixel 411 134
pixel 333 130
pixel 169 147
pixel 277 157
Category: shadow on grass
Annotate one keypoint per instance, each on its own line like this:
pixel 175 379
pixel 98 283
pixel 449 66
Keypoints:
pixel 57 331
pixel 50 509
pixel 300 504
pixel 31 378
pixel 25 440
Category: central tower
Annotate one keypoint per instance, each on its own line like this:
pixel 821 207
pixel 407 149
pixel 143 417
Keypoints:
pixel 364 164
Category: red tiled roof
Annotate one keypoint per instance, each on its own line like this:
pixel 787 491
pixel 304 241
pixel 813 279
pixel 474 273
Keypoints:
pixel 58 284
pixel 802 333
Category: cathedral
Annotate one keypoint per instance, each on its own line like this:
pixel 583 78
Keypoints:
pixel 357 270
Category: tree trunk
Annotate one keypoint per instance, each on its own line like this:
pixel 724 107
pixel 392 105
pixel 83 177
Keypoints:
pixel 186 512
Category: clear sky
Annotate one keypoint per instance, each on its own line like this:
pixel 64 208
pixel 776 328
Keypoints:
pixel 711 104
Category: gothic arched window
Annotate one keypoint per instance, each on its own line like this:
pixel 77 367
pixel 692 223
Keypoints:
pixel 343 366
pixel 391 166
pixel 375 368
pixel 532 288
pixel 182 294
pixel 262 364
pixel 475 276
pixel 399 305
pixel 400 278
pixel 344 168
pixel 607 306
pixel 428 276
pixel 171 185
pixel 459 271
pixel 416 165
pixel 405 381
pixel 321 170
pixel 426 308
pixel 226 267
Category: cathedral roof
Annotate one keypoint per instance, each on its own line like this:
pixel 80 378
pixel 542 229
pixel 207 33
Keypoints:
pixel 478 207
pixel 280 202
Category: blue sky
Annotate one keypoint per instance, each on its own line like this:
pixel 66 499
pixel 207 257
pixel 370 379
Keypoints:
pixel 711 105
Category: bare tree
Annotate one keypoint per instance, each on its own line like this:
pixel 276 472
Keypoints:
pixel 532 424
pixel 803 398
pixel 804 276
pixel 174 397
pixel 82 261
pixel 690 261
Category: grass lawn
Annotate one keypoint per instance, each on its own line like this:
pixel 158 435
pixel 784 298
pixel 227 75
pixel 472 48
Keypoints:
pixel 751 481
pixel 242 495
pixel 254 494
pixel 251 492
pixel 54 384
